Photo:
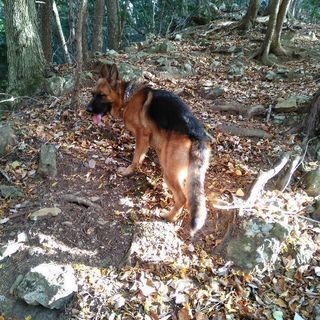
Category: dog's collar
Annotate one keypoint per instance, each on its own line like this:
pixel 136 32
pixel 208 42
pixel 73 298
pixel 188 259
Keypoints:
pixel 128 92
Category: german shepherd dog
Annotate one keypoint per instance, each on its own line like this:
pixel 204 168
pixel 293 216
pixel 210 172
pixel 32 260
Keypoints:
pixel 162 120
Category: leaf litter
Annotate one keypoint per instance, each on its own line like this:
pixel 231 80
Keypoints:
pixel 198 284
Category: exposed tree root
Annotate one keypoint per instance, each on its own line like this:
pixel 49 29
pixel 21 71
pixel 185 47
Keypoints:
pixel 243 132
pixel 246 111
pixel 81 201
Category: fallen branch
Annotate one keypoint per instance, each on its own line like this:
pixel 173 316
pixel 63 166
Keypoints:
pixel 257 186
pixel 12 99
pixel 81 201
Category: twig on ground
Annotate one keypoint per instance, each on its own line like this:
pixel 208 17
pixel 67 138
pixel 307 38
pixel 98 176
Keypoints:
pixel 269 114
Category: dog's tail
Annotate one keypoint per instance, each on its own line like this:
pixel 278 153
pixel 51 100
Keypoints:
pixel 199 161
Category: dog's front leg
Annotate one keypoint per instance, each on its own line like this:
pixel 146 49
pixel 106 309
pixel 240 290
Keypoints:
pixel 142 146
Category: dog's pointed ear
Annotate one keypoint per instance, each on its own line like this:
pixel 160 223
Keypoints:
pixel 114 75
pixel 104 71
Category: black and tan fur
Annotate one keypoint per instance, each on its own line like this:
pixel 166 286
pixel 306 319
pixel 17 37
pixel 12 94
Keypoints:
pixel 160 119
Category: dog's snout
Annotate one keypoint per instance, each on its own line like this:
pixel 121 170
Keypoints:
pixel 89 108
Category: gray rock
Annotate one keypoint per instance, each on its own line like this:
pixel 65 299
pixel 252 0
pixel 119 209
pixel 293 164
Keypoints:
pixel 317 311
pixel 236 71
pixel 256 245
pixel 155 242
pixel 7 138
pixel 49 285
pixel 279 119
pixel 283 71
pixel 214 65
pixel 128 72
pixel 112 53
pixel 270 75
pixel 213 93
pixel 10 192
pixel 163 47
pixel 57 86
pixel 187 67
pixel 178 37
pixel 287 105
pixel 234 7
pixel 232 49
pixel 142 54
pixel 311 182
pixel 47 163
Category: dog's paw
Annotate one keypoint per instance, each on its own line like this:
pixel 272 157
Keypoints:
pixel 125 171
pixel 169 216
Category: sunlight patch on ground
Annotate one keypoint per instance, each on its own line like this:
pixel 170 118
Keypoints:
pixel 50 243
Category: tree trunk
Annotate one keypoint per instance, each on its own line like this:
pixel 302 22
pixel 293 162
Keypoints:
pixel 276 47
pixel 85 46
pixel 250 17
pixel 97 25
pixel 124 17
pixel 113 24
pixel 61 35
pixel 46 29
pixel 311 125
pixel 74 6
pixel 79 33
pixel 25 54
pixel 263 54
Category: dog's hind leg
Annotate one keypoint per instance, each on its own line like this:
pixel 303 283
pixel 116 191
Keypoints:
pixel 142 146
pixel 177 188
pixel 175 162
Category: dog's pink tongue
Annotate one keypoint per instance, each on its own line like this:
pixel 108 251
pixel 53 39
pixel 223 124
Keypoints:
pixel 96 118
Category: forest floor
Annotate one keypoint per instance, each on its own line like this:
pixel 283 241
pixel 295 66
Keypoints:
pixel 96 241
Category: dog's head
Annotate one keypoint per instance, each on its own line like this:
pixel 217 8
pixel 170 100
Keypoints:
pixel 106 95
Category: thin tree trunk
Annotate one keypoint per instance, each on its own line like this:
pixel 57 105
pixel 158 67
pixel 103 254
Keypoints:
pixel 276 46
pixel 113 24
pixel 263 54
pixel 97 25
pixel 25 55
pixel 124 18
pixel 61 35
pixel 292 9
pixel 46 29
pixel 250 17
pixel 79 33
pixel 74 6
pixel 85 46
